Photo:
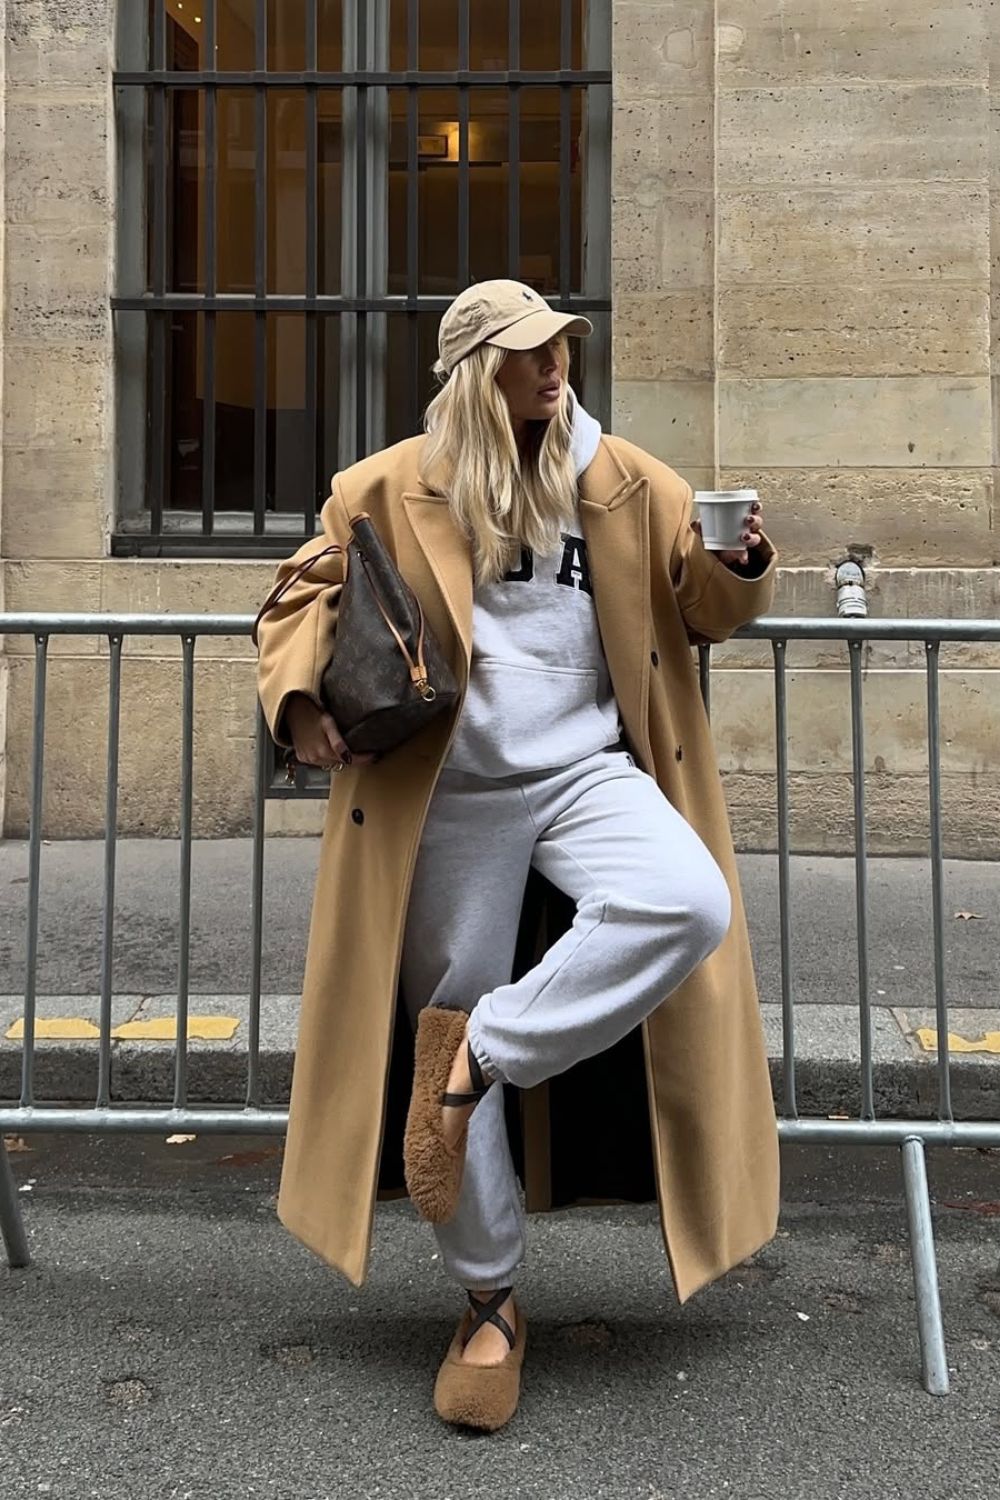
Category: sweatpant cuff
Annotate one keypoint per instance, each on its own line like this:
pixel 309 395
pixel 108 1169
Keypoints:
pixel 490 1071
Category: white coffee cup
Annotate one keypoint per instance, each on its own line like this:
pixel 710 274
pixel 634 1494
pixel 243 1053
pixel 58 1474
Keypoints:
pixel 724 515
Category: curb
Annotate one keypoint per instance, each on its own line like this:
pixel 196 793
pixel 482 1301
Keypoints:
pixel 827 1055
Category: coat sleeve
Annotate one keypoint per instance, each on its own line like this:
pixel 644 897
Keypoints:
pixel 295 638
pixel 714 599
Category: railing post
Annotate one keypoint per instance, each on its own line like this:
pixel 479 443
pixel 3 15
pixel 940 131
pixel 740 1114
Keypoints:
pixel 933 1355
pixel 11 1223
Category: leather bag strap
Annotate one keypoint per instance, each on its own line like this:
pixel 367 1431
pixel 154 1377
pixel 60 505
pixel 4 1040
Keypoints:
pixel 281 589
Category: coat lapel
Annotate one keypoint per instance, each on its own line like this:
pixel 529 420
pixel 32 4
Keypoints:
pixel 614 511
pixel 448 556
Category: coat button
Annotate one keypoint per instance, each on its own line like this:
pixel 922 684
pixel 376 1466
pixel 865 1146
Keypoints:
pixel 358 816
pixel 655 659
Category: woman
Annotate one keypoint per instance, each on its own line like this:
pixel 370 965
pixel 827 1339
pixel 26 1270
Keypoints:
pixel 562 573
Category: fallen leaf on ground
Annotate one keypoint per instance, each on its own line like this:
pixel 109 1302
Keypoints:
pixel 969 916
pixel 179 1140
pixel 15 1144
pixel 248 1158
pixel 988 1210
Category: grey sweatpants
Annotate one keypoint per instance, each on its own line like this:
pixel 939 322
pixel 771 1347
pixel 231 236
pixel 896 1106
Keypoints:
pixel 651 904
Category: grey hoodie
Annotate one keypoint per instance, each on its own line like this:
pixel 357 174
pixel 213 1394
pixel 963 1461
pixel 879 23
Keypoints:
pixel 539 690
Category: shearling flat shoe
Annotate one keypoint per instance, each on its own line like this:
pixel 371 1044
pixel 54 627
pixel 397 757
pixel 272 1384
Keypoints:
pixel 481 1396
pixel 433 1169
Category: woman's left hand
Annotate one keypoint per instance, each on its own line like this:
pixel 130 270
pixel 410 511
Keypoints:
pixel 751 535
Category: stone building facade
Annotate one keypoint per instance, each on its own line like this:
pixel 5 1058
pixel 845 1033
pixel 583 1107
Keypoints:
pixel 805 201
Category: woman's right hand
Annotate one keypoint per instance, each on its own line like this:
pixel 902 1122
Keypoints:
pixel 316 738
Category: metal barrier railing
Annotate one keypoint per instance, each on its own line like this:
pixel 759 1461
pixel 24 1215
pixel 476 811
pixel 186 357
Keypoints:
pixel 912 1136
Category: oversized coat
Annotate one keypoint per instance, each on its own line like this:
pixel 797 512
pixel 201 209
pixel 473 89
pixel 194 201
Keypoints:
pixel 700 1135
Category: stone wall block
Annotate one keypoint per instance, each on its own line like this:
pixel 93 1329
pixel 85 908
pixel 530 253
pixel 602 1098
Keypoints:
pixel 816 41
pixel 663 336
pixel 56 395
pixel 934 519
pixel 662 145
pixel 55 502
pixel 58 284
pixel 920 421
pixel 672 419
pixel 822 808
pixel 143 586
pixel 40 587
pixel 902 232
pixel 850 136
pixel 57 161
pixel 661 48
pixel 150 750
pixel 895 717
pixel 662 245
pixel 60 43
pixel 824 329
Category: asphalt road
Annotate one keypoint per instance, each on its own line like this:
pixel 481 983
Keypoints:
pixel 171 1342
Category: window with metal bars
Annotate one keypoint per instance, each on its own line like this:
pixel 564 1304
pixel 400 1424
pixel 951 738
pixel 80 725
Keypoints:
pixel 304 186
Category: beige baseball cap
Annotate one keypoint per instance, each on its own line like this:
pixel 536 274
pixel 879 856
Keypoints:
pixel 506 314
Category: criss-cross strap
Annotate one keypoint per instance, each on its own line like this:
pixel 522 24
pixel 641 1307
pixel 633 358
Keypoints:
pixel 489 1312
pixel 481 1085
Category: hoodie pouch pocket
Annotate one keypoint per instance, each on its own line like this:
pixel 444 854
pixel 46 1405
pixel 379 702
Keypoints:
pixel 529 718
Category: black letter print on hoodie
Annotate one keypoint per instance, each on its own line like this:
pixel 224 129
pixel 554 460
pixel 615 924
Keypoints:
pixel 574 567
pixel 574 571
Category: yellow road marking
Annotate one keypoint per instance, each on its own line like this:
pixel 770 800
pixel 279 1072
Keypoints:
pixel 162 1029
pixel 62 1029
pixel 988 1042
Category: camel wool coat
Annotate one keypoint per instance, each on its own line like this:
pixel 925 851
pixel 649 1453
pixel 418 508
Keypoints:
pixel 681 1110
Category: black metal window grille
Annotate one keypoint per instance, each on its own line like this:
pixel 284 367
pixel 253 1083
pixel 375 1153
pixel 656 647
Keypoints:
pixel 320 177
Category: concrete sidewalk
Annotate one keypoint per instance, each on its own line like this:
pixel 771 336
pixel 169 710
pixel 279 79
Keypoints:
pixel 144 978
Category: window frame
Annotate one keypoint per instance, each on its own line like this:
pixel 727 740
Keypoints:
pixel 143 524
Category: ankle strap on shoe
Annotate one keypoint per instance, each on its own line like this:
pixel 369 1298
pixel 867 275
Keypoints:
pixel 488 1312
pixel 481 1085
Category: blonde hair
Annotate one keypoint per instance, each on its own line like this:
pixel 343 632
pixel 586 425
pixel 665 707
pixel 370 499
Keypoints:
pixel 502 496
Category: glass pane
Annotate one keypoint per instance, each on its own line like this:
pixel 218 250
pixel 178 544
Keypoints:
pixel 540 188
pixel 489 150
pixel 329 35
pixel 409 383
pixel 186 36
pixel 540 34
pixel 286 35
pixel 184 412
pixel 235 35
pixel 286 191
pixel 236 197
pixel 185 194
pixel 234 399
pixel 438 35
pixel 398 24
pixel 329 187
pixel 489 32
pixel 437 216
pixel 289 459
pixel 328 399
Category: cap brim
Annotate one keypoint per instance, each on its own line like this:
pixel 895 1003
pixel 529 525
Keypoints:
pixel 538 327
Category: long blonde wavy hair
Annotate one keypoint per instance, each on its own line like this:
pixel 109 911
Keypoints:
pixel 503 496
